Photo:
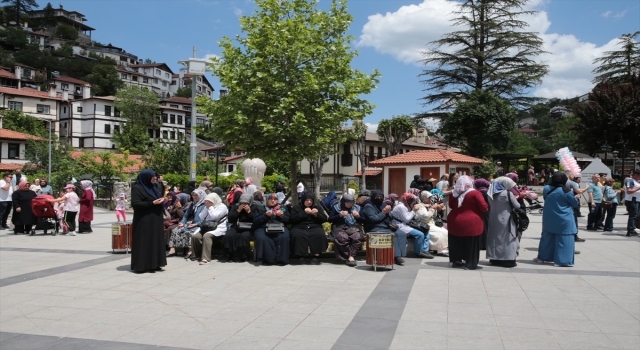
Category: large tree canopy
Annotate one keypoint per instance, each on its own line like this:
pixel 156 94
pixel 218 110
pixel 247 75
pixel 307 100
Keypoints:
pixel 138 109
pixel 395 131
pixel 619 66
pixel 493 51
pixel 291 85
pixel 21 6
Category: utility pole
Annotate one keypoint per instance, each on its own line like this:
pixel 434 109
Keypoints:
pixel 194 144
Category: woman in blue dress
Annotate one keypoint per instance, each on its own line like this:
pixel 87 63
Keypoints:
pixel 557 243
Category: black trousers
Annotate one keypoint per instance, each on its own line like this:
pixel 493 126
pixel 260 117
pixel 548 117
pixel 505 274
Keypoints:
pixel 70 220
pixel 22 229
pixel 5 209
pixel 84 227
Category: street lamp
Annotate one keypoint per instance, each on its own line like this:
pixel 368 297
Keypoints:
pixel 195 67
pixel 218 156
pixel 606 148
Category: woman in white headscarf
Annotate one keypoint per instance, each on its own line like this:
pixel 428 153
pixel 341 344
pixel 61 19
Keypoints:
pixel 502 238
pixel 438 236
pixel 86 207
pixel 189 225
pixel 201 242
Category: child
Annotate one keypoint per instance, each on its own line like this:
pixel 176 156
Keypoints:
pixel 71 203
pixel 121 202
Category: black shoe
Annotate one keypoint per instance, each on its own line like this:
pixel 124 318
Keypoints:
pixel 399 261
pixel 301 260
pixel 282 263
pixel 629 234
pixel 352 263
pixel 592 229
pixel 5 227
pixel 576 252
pixel 457 264
pixel 599 227
pixel 578 239
pixel 315 261
pixel 267 263
pixel 170 254
pixel 426 255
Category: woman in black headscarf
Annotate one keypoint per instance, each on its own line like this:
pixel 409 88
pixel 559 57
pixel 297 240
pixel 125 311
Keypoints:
pixel 241 228
pixel 306 230
pixel 148 242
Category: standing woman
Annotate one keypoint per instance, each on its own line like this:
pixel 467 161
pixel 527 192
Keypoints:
pixel 307 233
pixel 86 207
pixel 148 243
pixel 465 224
pixel 482 186
pixel 502 238
pixel 557 243
pixel 22 214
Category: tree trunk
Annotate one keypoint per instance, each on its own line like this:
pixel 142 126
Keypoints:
pixel 316 168
pixel 293 175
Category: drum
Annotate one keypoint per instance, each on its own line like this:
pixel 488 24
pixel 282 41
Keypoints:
pixel 121 237
pixel 380 250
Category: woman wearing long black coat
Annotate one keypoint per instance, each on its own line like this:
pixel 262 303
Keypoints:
pixel 22 217
pixel 236 240
pixel 307 233
pixel 147 253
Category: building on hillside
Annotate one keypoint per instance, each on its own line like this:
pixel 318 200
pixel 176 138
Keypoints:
pixel 73 19
pixel 183 80
pixel 231 160
pixel 91 123
pixel 8 79
pixel 527 122
pixel 132 77
pixel 12 148
pixel 560 112
pixel 160 76
pixel 528 132
pixel 29 76
pixel 184 104
pixel 78 89
pixel 118 54
pixel 39 38
pixel 398 171
pixel 39 104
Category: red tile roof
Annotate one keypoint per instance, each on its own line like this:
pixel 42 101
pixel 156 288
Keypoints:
pixel 71 80
pixel 139 163
pixel 427 156
pixel 232 158
pixel 178 100
pixel 7 74
pixel 28 92
pixel 527 131
pixel 10 167
pixel 14 135
pixel 369 172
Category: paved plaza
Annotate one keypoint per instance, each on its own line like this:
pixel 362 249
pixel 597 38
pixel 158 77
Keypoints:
pixel 72 293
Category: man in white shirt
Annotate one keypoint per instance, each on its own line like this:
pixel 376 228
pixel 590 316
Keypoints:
pixel 6 190
pixel 632 201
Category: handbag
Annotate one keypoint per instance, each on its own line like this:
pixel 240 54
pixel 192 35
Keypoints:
pixel 166 215
pixel 274 228
pixel 419 225
pixel 438 220
pixel 605 203
pixel 244 226
pixel 211 225
pixel 519 217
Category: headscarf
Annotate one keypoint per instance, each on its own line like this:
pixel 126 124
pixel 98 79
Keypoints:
pixel 409 200
pixel 218 191
pixel 391 199
pixel 213 198
pixel 481 185
pixel 246 198
pixel 559 179
pixel 24 185
pixel 183 198
pixel 201 195
pixel 348 219
pixel 500 184
pixel 258 196
pixel 304 198
pixel 415 192
pixel 464 185
pixel 144 180
pixel 278 206
pixel 377 202
pixel 513 176
pixel 173 200
pixel 330 198
pixel 365 193
pixel 280 196
pixel 204 185
pixel 437 197
pixel 425 197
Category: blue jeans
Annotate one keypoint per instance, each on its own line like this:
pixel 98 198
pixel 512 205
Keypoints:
pixel 399 244
pixel 632 208
pixel 420 241
pixel 611 214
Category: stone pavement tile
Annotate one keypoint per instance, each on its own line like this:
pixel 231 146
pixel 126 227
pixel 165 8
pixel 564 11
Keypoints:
pixel 18 325
pixel 93 316
pixel 632 308
pixel 513 309
pixel 237 314
pixel 472 331
pixel 474 343
pixel 515 294
pixel 133 320
pixel 552 295
pixel 82 303
pixel 586 297
pixel 7 335
pixel 49 300
pixel 77 292
pixel 631 342
pixel 60 328
pixel 471 314
pixel 315 334
pixel 198 339
pixel 202 310
pixel 155 308
pixel 276 297
pixel 76 343
pixel 265 330
pixel 281 317
pixel 303 308
pixel 330 309
pixel 288 344
pixel 466 298
pixel 418 341
pixel 526 334
pixel 119 305
pixel 552 303
pixel 329 321
pixel 177 323
pixel 529 321
pixel 244 342
pixel 549 313
pixel 367 333
pixel 416 311
pixel 149 335
pixel 413 327
pixel 582 340
pixel 102 331
pixel 53 313
pixel 541 344
pixel 571 325
pixel 26 342
pixel 218 326
pixel 622 328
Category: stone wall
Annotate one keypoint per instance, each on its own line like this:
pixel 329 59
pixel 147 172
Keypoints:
pixel 119 187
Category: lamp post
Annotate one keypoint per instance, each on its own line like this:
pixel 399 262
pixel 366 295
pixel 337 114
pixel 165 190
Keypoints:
pixel 217 156
pixel 606 148
pixel 195 67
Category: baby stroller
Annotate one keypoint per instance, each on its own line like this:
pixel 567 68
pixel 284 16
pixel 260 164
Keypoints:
pixel 532 198
pixel 46 216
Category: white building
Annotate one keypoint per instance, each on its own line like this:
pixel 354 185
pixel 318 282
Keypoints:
pixel 132 77
pixel 185 105
pixel 118 54
pixel 91 123
pixel 76 88
pixel 73 19
pixel 183 80
pixel 160 76
pixel 12 148
pixel 39 104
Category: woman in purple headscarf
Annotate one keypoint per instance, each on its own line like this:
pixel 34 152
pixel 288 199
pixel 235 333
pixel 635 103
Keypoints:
pixel 482 185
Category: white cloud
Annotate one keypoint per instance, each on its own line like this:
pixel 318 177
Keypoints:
pixel 404 34
pixel 606 14
pixel 210 55
pixel 237 11
pixel 616 15
pixel 371 127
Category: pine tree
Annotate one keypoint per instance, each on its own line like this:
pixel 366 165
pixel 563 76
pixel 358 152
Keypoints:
pixel 492 52
pixel 619 66
pixel 21 6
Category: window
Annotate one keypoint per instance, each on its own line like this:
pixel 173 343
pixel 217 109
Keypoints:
pixel 174 106
pixel 64 110
pixel 43 109
pixel 134 77
pixel 180 119
pixel 107 129
pixel 151 133
pixel 145 80
pixel 158 72
pixel 146 70
pixel 81 142
pixel 172 118
pixel 379 152
pixel 14 151
pixel 173 135
pixel 64 86
pixel 165 118
pixel 167 75
pixel 116 112
pixel 116 129
pixel 16 106
pixel 186 108
pixel 199 88
pixel 371 154
pixel 79 109
pixel 165 134
pixel 164 83
pixel 181 135
pixel 155 81
pixel 123 75
pixel 200 121
pixel 107 111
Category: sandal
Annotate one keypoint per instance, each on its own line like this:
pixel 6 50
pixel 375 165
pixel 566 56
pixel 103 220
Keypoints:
pixel 203 262
pixel 186 257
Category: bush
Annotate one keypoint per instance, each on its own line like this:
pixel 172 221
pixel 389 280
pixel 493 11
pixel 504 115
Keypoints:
pixel 354 185
pixel 485 170
pixel 269 182
pixel 66 32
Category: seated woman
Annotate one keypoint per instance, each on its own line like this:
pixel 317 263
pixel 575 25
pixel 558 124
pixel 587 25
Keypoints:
pixel 307 233
pixel 202 242
pixel 236 240
pixel 346 229
pixel 377 219
pixel 176 207
pixel 402 214
pixel 272 248
pixel 427 211
pixel 180 236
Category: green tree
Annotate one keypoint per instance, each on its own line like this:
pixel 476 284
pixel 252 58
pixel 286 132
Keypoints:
pixel 610 114
pixel 395 131
pixel 66 32
pixel 15 37
pixel 542 145
pixel 105 80
pixel 20 6
pixel 170 158
pixel 619 66
pixel 565 134
pixel 105 166
pixel 480 124
pixel 493 51
pixel 18 121
pixel 184 92
pixel 139 111
pixel 49 20
pixel 291 82
pixel 520 144
pixel 63 166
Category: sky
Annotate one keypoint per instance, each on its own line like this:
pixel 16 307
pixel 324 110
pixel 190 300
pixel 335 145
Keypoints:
pixel 389 36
